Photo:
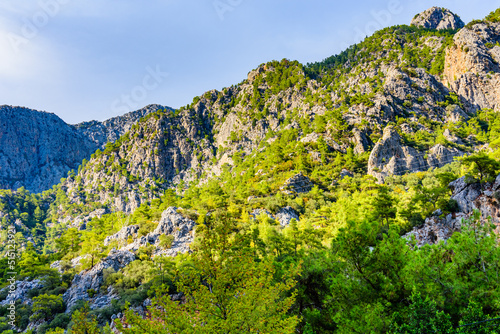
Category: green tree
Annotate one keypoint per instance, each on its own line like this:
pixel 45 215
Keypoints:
pixel 92 245
pixel 45 307
pixel 86 323
pixel 423 318
pixel 384 205
pixel 226 292
pixel 480 168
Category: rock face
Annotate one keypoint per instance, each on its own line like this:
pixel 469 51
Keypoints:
pixel 92 279
pixel 391 157
pixel 112 129
pixel 171 223
pixel 437 18
pixel 37 149
pixel 22 289
pixel 284 215
pixel 472 66
pixel 469 197
pixel 298 183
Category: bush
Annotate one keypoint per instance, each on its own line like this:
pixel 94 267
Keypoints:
pixel 452 206
pixel 166 241
pixel 46 306
pixel 61 320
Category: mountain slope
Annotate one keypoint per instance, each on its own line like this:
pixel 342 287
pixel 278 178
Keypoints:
pixel 394 77
pixel 37 148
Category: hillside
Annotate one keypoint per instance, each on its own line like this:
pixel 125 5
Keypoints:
pixel 359 193
pixel 38 148
pixel 398 77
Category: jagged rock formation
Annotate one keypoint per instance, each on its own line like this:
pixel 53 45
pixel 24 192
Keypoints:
pixel 391 157
pixel 472 66
pixel 298 183
pixel 437 18
pixel 469 197
pixel 91 280
pixel 111 129
pixel 37 148
pixel 21 292
pixel 171 223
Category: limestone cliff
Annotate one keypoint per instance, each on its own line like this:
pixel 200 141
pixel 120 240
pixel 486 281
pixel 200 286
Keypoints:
pixel 472 66
pixel 38 148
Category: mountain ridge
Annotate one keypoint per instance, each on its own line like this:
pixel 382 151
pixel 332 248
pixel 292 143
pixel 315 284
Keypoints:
pixel 38 148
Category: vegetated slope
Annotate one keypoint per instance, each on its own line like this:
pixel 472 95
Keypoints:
pixel 396 77
pixel 111 129
pixel 37 148
pixel 271 177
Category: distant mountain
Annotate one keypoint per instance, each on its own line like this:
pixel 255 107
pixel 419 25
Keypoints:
pixel 38 148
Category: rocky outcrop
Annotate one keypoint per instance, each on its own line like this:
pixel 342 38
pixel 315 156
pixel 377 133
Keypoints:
pixel 437 18
pixel 92 279
pixel 298 183
pixel 21 292
pixel 469 197
pixel 284 215
pixel 171 223
pixel 110 130
pixel 472 66
pixel 391 157
pixel 123 235
pixel 37 148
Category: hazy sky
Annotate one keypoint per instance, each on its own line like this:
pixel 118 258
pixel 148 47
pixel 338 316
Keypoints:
pixel 95 59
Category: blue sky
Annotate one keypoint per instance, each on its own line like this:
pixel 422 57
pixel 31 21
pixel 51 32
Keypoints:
pixel 94 59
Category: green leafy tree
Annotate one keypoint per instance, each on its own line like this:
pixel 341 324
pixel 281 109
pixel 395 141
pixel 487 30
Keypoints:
pixel 480 168
pixel 384 205
pixel 226 292
pixel 83 322
pixel 423 318
pixel 45 307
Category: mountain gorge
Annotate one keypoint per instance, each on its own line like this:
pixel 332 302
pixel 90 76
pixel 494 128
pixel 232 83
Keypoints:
pixel 355 194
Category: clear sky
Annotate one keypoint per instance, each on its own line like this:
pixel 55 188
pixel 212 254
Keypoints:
pixel 95 59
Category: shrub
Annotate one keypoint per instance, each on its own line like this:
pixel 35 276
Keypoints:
pixel 166 241
pixel 45 306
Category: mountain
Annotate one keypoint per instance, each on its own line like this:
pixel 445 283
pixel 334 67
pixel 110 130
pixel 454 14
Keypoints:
pixel 37 148
pixel 366 183
pixel 397 100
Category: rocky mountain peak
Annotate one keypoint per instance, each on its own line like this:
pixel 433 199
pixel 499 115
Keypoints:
pixel 437 18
